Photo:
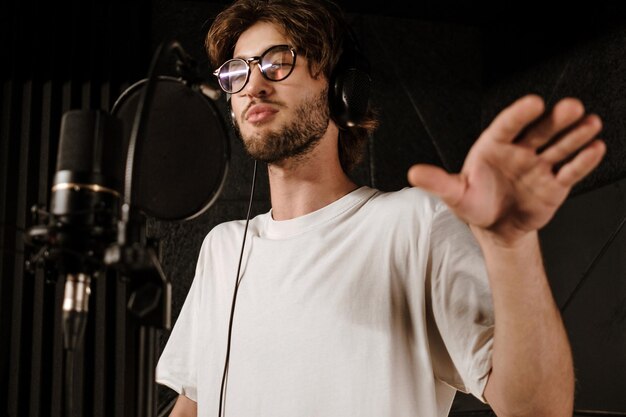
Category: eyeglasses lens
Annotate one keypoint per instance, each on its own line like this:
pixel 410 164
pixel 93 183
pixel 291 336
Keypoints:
pixel 233 75
pixel 276 64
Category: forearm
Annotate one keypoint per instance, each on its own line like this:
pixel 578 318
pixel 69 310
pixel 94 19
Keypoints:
pixel 532 370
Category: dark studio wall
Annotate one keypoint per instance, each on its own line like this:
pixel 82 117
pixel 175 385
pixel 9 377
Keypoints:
pixel 440 77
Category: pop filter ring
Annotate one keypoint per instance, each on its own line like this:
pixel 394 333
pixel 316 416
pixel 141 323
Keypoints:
pixel 179 204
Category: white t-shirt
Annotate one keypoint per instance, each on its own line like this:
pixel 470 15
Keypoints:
pixel 375 305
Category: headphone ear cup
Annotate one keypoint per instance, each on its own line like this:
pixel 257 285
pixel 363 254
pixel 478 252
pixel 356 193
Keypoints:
pixel 349 88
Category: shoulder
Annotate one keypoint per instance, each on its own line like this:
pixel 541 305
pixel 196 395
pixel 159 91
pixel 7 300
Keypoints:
pixel 408 201
pixel 229 234
pixel 412 209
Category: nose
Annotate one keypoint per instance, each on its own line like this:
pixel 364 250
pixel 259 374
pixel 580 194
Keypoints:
pixel 257 85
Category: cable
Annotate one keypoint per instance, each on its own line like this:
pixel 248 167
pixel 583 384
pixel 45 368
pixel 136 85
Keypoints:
pixel 232 306
pixel 138 129
pixel 140 122
pixel 69 383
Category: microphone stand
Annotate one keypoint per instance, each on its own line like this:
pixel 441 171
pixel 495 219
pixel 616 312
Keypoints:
pixel 148 304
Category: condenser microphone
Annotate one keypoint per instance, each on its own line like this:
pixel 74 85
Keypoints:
pixel 84 207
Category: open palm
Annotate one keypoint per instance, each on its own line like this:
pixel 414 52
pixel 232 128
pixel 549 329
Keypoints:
pixel 521 168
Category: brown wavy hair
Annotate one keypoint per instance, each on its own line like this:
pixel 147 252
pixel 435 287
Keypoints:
pixel 316 28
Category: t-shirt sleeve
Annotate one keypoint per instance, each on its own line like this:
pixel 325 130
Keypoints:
pixel 177 365
pixel 459 306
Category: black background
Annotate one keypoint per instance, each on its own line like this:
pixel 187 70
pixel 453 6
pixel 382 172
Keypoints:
pixel 441 72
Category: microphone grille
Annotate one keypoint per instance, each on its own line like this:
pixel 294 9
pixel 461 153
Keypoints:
pixel 91 142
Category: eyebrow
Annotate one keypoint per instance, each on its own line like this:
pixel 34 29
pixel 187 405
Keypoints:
pixel 240 56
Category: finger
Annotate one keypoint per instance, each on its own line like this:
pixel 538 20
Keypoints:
pixel 581 165
pixel 508 124
pixel 565 113
pixel 449 187
pixel 573 140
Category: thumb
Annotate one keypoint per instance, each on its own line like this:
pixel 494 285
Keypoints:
pixel 449 187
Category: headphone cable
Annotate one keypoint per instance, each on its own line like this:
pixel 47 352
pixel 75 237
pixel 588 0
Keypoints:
pixel 232 306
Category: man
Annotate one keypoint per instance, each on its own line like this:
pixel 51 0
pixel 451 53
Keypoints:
pixel 356 302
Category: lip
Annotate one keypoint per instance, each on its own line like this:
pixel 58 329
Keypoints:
pixel 259 113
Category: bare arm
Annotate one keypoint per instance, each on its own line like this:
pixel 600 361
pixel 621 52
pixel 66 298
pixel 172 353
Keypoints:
pixel 184 407
pixel 515 177
pixel 532 370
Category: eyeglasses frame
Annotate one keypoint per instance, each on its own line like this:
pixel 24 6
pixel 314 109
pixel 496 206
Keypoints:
pixel 257 59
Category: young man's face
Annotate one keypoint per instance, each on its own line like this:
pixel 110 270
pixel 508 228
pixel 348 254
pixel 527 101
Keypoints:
pixel 278 120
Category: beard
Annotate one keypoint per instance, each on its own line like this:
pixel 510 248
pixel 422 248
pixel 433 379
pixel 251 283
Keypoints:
pixel 294 140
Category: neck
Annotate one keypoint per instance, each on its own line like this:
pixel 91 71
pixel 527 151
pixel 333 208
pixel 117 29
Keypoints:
pixel 302 185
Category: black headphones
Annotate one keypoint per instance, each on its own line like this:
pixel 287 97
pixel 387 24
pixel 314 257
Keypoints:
pixel 349 85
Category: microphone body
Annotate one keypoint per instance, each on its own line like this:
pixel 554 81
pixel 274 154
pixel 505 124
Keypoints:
pixel 84 208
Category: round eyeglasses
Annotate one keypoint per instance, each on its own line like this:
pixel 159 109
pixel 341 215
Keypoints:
pixel 275 64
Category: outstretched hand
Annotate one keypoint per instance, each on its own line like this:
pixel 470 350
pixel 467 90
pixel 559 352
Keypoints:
pixel 521 168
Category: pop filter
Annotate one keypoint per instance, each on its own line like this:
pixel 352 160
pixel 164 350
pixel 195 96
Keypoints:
pixel 182 160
